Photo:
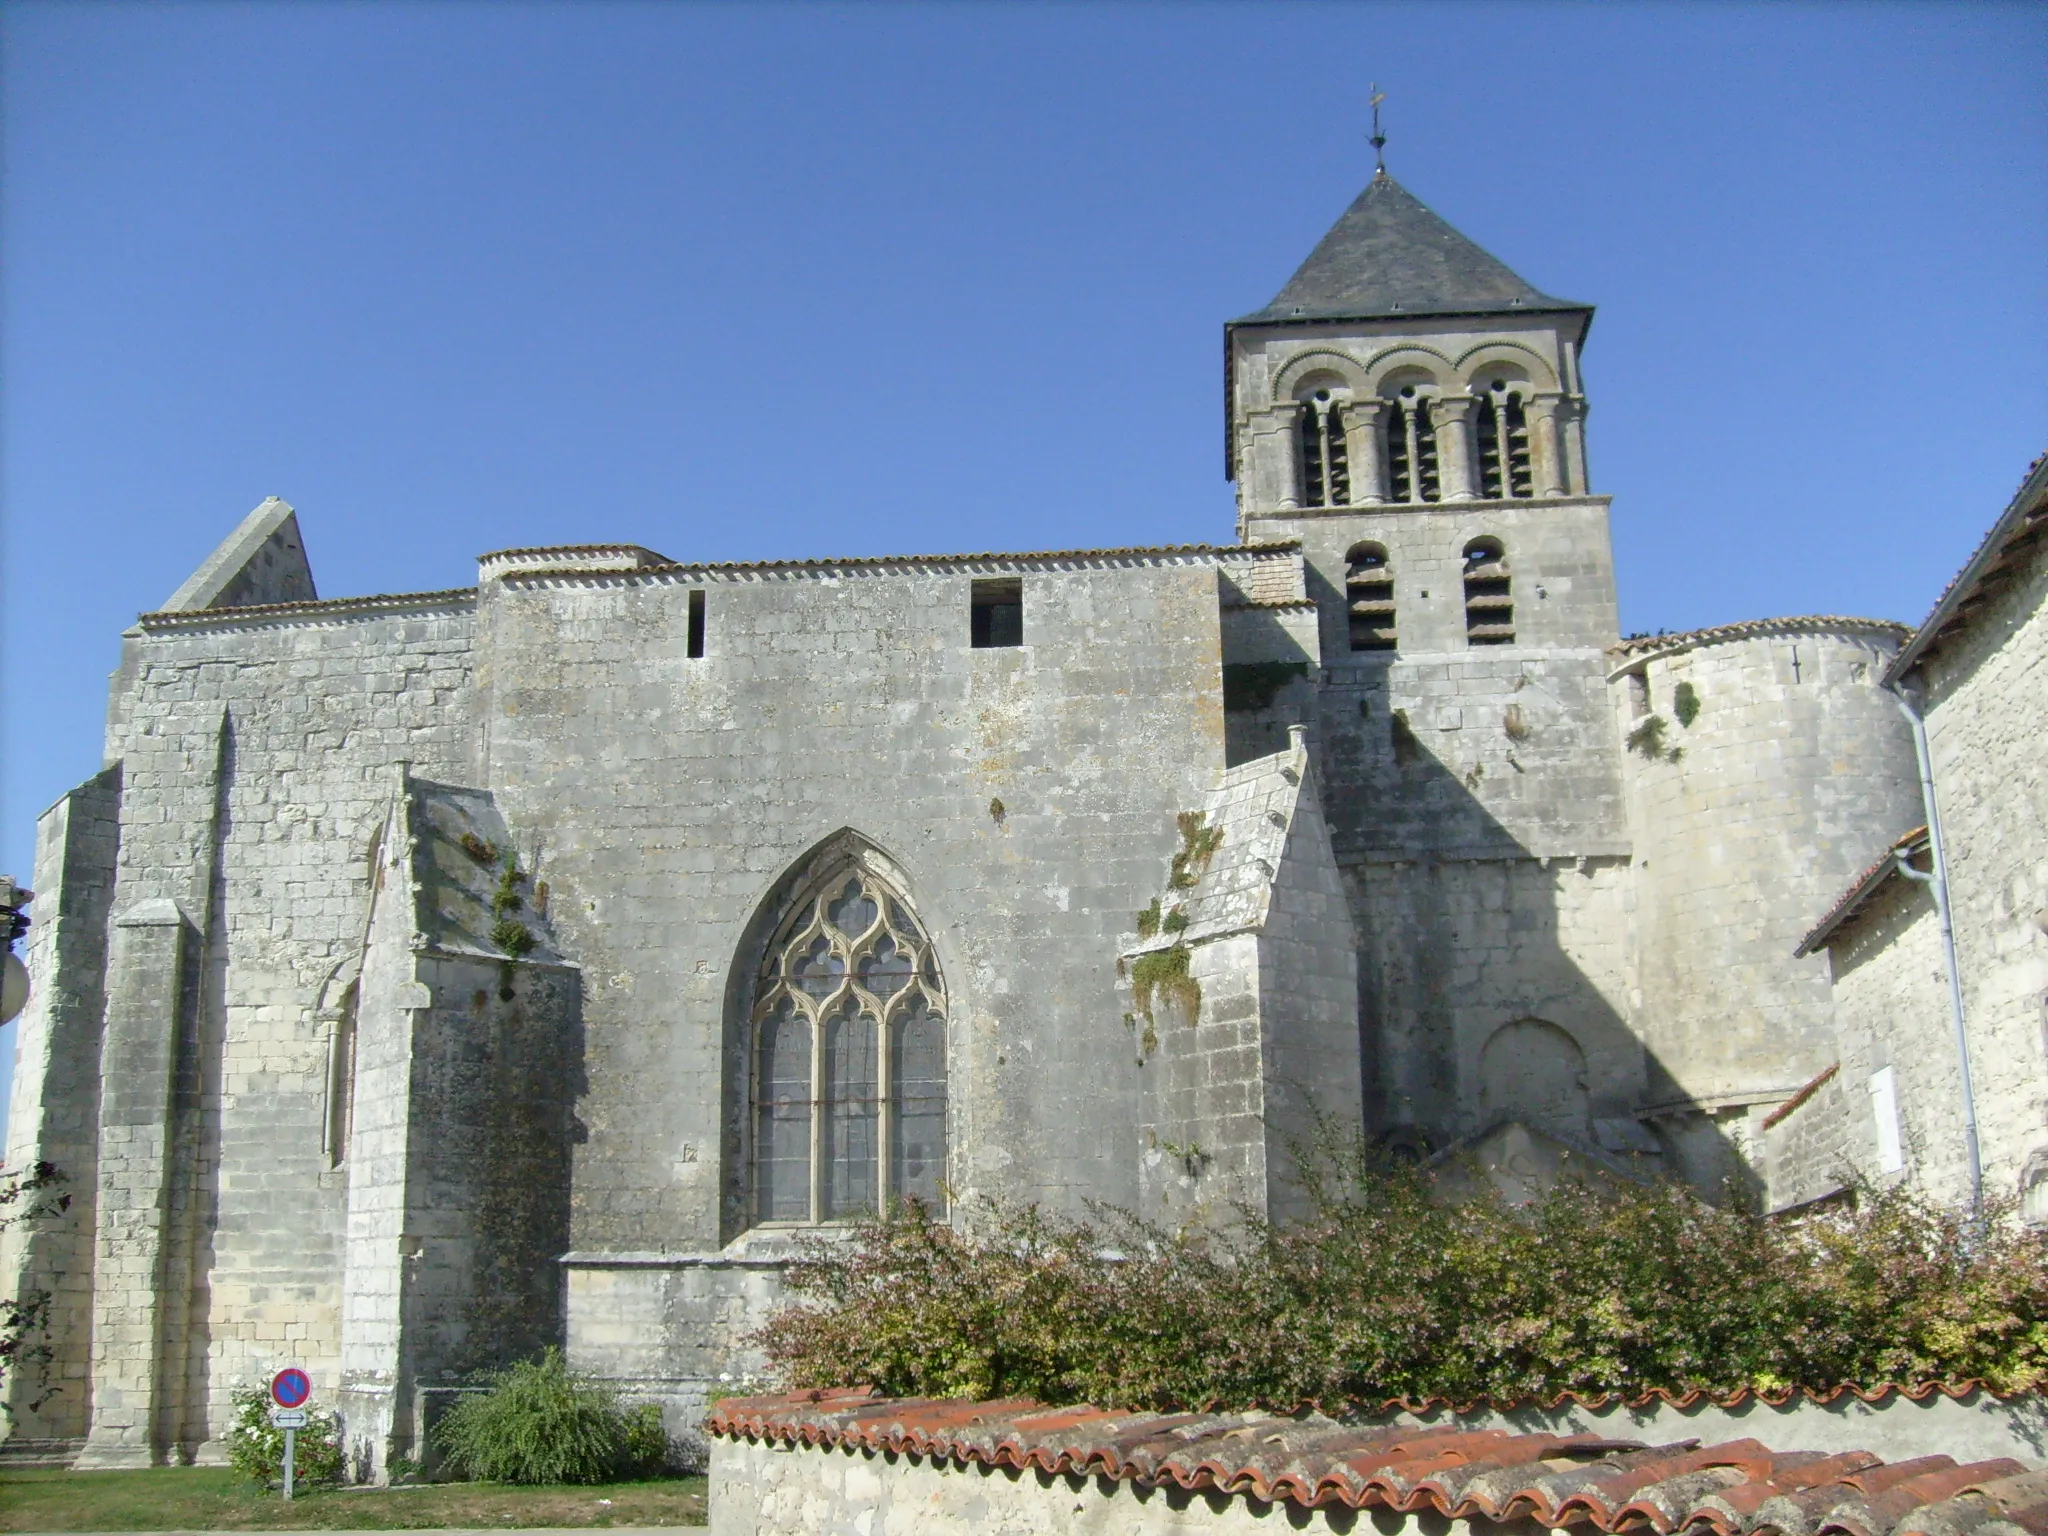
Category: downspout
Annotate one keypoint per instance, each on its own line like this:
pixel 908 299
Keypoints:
pixel 1936 880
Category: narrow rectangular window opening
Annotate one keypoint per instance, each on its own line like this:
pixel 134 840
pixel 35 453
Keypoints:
pixel 695 643
pixel 996 613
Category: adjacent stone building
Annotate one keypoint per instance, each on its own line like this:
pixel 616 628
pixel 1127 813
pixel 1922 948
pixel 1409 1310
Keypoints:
pixel 1899 1108
pixel 431 977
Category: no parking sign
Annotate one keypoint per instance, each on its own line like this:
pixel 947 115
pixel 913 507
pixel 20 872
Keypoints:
pixel 289 1389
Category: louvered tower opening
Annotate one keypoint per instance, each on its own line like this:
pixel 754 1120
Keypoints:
pixel 1503 444
pixel 1411 449
pixel 1325 470
pixel 1369 596
pixel 1489 599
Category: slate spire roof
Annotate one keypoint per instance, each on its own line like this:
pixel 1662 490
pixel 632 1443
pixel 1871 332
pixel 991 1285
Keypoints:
pixel 1390 256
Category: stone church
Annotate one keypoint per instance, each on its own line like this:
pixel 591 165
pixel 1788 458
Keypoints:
pixel 431 977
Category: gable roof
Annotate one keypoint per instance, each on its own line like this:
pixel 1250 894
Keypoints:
pixel 1857 897
pixel 1997 561
pixel 1391 256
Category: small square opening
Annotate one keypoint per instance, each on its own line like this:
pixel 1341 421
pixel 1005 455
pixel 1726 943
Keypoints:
pixel 996 614
pixel 694 644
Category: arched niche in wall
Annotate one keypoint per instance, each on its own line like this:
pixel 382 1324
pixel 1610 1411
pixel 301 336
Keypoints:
pixel 1534 1072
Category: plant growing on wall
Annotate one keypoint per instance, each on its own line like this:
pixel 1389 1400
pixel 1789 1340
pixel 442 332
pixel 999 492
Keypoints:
pixel 24 1319
pixel 1198 844
pixel 1163 974
pixel 1685 703
pixel 1255 684
pixel 1647 741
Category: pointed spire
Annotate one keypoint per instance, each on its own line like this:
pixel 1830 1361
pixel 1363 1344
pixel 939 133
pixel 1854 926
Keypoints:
pixel 1391 256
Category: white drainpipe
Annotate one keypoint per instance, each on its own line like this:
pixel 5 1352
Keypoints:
pixel 1936 880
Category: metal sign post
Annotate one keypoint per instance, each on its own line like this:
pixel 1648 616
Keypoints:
pixel 289 1389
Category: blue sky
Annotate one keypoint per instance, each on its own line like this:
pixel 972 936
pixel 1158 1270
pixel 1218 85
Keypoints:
pixel 740 282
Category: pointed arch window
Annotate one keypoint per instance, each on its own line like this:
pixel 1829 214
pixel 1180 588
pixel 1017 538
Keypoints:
pixel 1503 425
pixel 849 1056
pixel 1325 467
pixel 1411 448
pixel 1489 594
pixel 1369 594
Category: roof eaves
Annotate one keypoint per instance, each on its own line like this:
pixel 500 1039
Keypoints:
pixel 1273 547
pixel 1638 649
pixel 2022 519
pixel 1866 885
pixel 333 607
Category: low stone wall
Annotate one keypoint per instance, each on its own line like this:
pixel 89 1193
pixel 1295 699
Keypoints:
pixel 777 1491
pixel 1895 1465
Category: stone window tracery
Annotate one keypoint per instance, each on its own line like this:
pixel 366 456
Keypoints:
pixel 1325 467
pixel 849 1019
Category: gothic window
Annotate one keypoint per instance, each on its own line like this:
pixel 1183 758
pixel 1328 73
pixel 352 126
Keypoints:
pixel 1489 602
pixel 1503 443
pixel 1325 471
pixel 1411 448
pixel 849 1021
pixel 1369 594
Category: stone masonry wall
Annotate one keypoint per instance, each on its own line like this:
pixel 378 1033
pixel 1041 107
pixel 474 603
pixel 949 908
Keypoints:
pixel 1796 773
pixel 1987 691
pixel 1892 1010
pixel 54 1116
pixel 258 752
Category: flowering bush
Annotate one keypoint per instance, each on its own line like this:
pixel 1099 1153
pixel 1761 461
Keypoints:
pixel 1387 1293
pixel 256 1446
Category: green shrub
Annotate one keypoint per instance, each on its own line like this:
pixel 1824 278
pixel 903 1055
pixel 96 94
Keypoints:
pixel 541 1424
pixel 1386 1293
pixel 256 1446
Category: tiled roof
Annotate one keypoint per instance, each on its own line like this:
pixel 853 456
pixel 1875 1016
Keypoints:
pixel 574 561
pixel 1557 1480
pixel 1390 255
pixel 333 607
pixel 2021 522
pixel 1640 647
pixel 1865 886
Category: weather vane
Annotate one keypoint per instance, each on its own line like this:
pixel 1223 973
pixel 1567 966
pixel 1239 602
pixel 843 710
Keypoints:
pixel 1379 140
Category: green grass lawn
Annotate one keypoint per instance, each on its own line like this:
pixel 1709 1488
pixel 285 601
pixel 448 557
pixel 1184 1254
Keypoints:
pixel 216 1499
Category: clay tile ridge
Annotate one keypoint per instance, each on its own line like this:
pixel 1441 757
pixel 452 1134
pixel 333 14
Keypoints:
pixel 609 564
pixel 1731 1489
pixel 1918 1392
pixel 1637 648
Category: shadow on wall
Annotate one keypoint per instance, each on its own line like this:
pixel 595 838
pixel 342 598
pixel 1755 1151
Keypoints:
pixel 1492 979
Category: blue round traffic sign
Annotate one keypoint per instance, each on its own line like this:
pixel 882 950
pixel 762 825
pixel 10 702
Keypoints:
pixel 290 1387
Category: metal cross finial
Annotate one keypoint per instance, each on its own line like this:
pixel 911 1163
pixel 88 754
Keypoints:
pixel 1379 140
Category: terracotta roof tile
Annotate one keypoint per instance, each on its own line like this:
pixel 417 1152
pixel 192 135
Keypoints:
pixel 1737 1488
pixel 1627 653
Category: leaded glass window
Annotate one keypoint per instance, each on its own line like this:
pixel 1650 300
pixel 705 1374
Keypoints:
pixel 849 1020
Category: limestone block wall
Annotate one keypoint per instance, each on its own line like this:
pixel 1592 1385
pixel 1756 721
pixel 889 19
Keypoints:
pixel 257 747
pixel 1468 966
pixel 1027 793
pixel 54 1114
pixel 1796 772
pixel 672 1328
pixel 1987 686
pixel 1892 1010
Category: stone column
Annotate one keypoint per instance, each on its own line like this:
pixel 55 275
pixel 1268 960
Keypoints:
pixel 1572 421
pixel 1283 453
pixel 1546 447
pixel 1366 450
pixel 150 957
pixel 1451 415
